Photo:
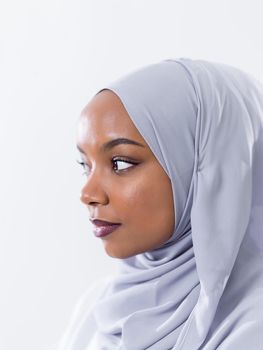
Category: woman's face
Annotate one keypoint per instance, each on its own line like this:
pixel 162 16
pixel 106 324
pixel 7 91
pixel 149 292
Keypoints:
pixel 135 192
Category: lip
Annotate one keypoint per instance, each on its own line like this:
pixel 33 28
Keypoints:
pixel 98 222
pixel 103 228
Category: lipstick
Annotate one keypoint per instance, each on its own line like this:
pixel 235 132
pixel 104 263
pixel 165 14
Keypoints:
pixel 102 228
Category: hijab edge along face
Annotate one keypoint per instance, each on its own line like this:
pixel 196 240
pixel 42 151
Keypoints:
pixel 153 149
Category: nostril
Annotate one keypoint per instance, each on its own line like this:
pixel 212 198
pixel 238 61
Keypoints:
pixel 86 199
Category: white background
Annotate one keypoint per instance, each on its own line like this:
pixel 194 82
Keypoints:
pixel 55 55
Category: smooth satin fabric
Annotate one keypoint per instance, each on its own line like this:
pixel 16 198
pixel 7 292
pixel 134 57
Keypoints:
pixel 203 288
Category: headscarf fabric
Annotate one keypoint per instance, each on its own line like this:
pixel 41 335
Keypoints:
pixel 202 288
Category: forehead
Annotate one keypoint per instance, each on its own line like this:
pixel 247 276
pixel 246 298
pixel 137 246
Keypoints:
pixel 104 118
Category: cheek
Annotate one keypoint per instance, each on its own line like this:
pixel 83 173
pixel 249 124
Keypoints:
pixel 133 199
pixel 145 202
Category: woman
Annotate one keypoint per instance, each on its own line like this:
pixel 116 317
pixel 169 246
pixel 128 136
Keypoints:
pixel 173 154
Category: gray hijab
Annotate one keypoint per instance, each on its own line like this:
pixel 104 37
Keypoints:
pixel 203 288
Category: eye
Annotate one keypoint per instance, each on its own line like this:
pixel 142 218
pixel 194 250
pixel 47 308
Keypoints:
pixel 83 165
pixel 119 164
pixel 122 163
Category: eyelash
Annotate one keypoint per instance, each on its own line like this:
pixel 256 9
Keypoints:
pixel 113 160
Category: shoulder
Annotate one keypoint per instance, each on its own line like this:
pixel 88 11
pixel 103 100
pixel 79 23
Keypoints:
pixel 242 325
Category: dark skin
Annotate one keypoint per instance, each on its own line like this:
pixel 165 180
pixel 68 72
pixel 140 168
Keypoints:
pixel 138 195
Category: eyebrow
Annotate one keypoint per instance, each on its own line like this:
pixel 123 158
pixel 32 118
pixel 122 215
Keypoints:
pixel 115 142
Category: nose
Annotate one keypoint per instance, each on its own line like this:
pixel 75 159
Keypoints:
pixel 93 192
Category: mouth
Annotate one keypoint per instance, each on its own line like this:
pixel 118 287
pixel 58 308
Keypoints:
pixel 103 228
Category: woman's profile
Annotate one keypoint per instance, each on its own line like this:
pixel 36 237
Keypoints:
pixel 173 158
